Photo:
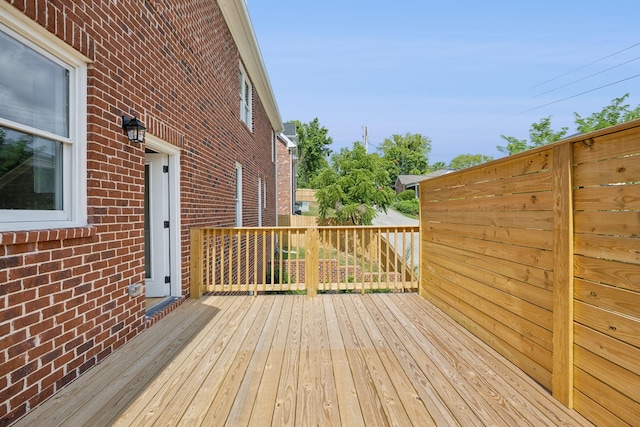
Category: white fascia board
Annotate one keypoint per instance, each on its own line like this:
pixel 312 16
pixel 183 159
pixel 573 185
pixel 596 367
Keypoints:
pixel 237 16
pixel 288 142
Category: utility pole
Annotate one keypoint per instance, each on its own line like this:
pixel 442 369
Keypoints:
pixel 365 137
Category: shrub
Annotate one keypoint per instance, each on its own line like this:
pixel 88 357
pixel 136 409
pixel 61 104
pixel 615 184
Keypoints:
pixel 276 276
pixel 407 195
pixel 408 207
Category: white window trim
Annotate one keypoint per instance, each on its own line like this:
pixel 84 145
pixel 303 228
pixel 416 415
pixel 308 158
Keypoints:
pixel 74 213
pixel 246 99
pixel 238 198
pixel 260 185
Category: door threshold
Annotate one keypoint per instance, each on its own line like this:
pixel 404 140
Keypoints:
pixel 161 305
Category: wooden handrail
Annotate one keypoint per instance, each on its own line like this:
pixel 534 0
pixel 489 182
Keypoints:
pixel 303 259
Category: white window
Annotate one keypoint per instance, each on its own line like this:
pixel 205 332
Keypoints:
pixel 246 112
pixel 42 132
pixel 238 195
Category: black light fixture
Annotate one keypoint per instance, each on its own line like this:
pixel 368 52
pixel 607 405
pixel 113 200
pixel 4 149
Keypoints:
pixel 134 128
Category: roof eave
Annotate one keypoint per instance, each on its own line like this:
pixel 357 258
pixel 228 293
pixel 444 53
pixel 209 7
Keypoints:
pixel 237 17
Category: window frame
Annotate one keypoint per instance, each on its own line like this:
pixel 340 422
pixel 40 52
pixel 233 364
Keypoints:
pixel 74 185
pixel 238 195
pixel 246 99
pixel 260 185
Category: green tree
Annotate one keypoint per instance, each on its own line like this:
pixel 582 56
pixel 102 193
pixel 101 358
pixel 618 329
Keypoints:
pixel 354 186
pixel 13 152
pixel 313 149
pixel 436 166
pixel 467 160
pixel 405 155
pixel 612 114
pixel 540 134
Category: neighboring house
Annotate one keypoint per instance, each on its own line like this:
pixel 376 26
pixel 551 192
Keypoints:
pixel 411 182
pixel 287 164
pixel 91 223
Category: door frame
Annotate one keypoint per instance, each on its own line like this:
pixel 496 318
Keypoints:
pixel 175 242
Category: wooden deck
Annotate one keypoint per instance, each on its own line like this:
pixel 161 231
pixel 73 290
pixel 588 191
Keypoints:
pixel 375 359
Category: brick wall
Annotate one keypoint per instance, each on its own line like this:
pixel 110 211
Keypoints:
pixel 63 300
pixel 284 179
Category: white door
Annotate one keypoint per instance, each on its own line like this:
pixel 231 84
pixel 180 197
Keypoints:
pixel 156 225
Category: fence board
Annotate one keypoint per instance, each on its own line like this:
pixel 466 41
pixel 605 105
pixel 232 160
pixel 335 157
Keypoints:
pixel 608 247
pixel 537 296
pixel 614 144
pixel 521 164
pixel 536 220
pixel 608 398
pixel 607 347
pixel 610 197
pixel 533 276
pixel 542 239
pixel 613 223
pixel 595 413
pixel 623 328
pixel 612 171
pixel 608 297
pixel 527 319
pixel 615 376
pixel 502 186
pixel 622 275
pixel 512 347
pixel 511 202
pixel 537 258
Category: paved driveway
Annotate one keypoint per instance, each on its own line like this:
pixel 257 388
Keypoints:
pixel 392 218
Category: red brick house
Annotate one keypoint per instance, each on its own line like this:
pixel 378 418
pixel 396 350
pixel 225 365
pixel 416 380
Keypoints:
pixel 90 223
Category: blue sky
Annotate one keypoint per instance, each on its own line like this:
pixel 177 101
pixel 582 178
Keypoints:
pixel 460 72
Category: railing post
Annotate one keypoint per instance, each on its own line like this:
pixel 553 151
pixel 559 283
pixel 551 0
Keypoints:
pixel 196 263
pixel 312 239
pixel 562 376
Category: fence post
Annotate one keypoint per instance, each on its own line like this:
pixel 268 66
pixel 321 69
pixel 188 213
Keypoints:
pixel 312 239
pixel 196 263
pixel 562 376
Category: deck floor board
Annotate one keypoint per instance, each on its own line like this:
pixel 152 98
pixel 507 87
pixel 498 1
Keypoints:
pixel 337 359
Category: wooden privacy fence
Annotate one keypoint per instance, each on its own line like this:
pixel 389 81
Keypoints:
pixel 304 259
pixel 538 254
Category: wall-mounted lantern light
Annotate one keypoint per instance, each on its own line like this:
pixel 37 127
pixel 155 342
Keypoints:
pixel 134 128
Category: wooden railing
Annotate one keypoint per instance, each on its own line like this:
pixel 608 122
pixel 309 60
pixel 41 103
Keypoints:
pixel 304 259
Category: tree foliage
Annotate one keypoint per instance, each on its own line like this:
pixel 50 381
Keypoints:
pixel 313 149
pixel 612 114
pixel 540 134
pixel 405 155
pixel 13 152
pixel 353 187
pixel 436 166
pixel 467 160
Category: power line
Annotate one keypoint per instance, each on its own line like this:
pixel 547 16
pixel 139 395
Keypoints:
pixel 584 78
pixel 579 94
pixel 584 66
